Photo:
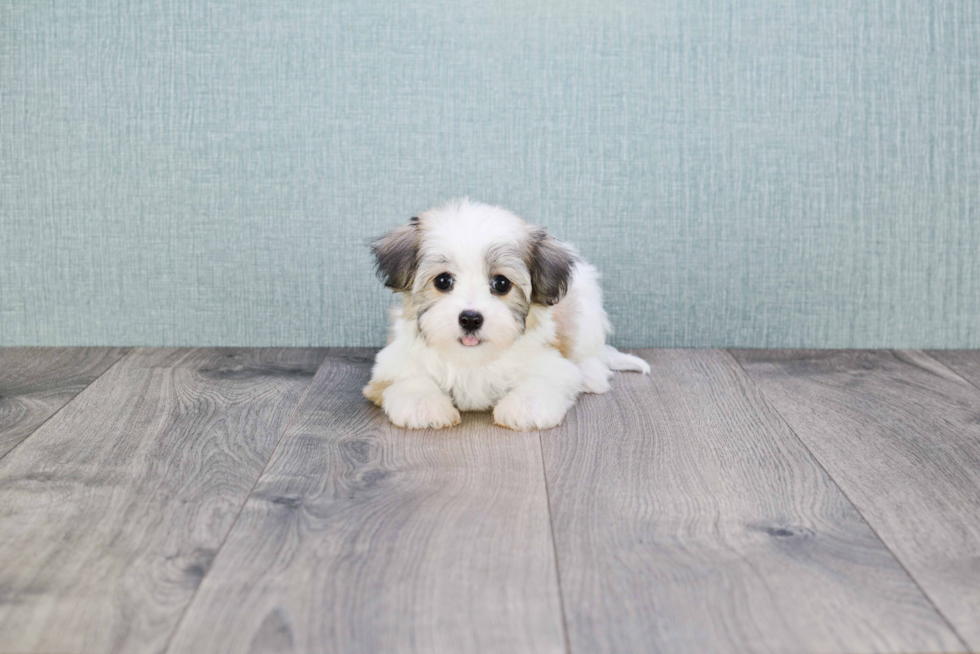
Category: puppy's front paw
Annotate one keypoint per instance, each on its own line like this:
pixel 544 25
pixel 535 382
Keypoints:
pixel 529 411
pixel 417 411
pixel 595 376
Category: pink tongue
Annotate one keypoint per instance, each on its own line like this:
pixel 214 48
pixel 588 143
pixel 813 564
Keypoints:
pixel 469 340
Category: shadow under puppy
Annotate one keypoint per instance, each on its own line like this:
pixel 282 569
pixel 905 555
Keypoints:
pixel 495 313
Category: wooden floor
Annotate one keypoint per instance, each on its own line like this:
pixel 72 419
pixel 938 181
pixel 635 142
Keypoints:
pixel 243 500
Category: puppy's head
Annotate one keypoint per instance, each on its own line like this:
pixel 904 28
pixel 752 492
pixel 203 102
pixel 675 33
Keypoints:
pixel 470 273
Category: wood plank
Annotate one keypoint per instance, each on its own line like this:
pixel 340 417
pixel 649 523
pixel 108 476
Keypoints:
pixel 35 382
pixel 361 537
pixel 111 512
pixel 689 518
pixel 966 363
pixel 900 434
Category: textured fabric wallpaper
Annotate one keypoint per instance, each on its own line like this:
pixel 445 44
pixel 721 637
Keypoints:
pixel 744 172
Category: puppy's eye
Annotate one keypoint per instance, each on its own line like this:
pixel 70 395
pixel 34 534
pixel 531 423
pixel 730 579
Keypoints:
pixel 443 281
pixel 500 285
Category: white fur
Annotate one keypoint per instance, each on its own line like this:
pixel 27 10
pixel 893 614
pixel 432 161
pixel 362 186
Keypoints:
pixel 426 375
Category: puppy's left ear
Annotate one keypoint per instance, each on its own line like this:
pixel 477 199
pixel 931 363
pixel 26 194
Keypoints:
pixel 551 268
pixel 396 256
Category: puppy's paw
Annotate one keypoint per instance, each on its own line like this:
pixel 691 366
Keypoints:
pixel 529 411
pixel 417 411
pixel 595 376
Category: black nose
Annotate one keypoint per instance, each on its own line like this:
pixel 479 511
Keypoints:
pixel 470 320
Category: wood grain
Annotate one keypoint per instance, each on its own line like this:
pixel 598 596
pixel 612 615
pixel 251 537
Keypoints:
pixel 361 537
pixel 689 518
pixel 111 513
pixel 900 434
pixel 35 382
pixel 966 363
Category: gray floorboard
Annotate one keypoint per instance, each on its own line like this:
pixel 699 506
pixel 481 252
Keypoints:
pixel 228 500
pixel 900 434
pixel 35 382
pixel 966 363
pixel 689 518
pixel 111 513
pixel 361 537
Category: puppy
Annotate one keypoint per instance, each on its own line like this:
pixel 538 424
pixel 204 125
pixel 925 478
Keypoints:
pixel 495 313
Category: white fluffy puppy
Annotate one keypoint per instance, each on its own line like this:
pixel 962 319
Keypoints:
pixel 494 313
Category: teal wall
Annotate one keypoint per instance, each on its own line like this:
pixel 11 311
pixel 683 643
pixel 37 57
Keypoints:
pixel 745 173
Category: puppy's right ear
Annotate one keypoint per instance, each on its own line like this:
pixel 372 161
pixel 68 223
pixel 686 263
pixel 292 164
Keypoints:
pixel 396 256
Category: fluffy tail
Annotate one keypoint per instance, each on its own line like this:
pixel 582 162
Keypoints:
pixel 617 360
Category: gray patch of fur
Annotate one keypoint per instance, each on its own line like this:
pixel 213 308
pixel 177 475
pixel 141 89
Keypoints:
pixel 519 306
pixel 396 256
pixel 422 302
pixel 550 264
pixel 512 260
